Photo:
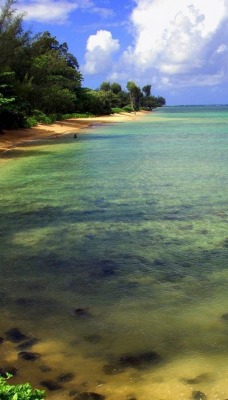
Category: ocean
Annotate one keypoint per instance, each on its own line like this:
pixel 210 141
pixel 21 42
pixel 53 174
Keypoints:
pixel 113 259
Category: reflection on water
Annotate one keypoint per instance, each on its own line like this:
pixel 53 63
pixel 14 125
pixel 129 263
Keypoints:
pixel 114 260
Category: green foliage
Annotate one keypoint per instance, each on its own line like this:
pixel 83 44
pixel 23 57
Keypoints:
pixel 30 122
pixel 147 90
pixel 78 115
pixel 105 86
pixel 117 110
pixel 135 94
pixel 12 108
pixel 144 108
pixel 42 118
pixel 12 37
pixel 115 88
pixel 96 102
pixel 19 392
pixel 128 108
pixel 39 73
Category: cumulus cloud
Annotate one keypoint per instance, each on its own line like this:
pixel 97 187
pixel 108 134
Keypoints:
pixel 99 50
pixel 178 41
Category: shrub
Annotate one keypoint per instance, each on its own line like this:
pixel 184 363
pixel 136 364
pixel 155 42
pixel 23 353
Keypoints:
pixel 19 392
pixel 30 122
pixel 117 110
pixel 144 109
pixel 41 117
pixel 78 115
pixel 128 109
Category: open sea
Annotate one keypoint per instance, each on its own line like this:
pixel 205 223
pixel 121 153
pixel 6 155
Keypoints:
pixel 113 259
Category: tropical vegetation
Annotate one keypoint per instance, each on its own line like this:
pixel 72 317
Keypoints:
pixel 19 392
pixel 40 80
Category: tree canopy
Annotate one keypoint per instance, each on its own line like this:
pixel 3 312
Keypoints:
pixel 37 73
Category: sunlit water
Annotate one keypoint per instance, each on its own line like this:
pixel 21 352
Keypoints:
pixel 129 224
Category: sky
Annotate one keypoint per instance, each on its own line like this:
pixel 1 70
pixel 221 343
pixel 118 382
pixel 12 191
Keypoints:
pixel 179 47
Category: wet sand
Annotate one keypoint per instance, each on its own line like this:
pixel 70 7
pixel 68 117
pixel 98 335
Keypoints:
pixel 11 138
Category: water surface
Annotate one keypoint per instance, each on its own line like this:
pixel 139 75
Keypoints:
pixel 128 225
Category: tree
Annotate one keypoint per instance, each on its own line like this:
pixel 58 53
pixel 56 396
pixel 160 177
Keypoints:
pixel 97 102
pixel 13 39
pixel 12 108
pixel 161 101
pixel 115 88
pixel 55 75
pixel 43 42
pixel 147 90
pixel 105 86
pixel 135 94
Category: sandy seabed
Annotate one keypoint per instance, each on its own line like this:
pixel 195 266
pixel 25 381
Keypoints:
pixel 11 138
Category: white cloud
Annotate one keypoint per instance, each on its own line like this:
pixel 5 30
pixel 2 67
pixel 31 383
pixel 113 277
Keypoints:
pixel 173 34
pixel 178 41
pixel 222 48
pixel 58 11
pixel 103 12
pixel 100 48
pixel 47 10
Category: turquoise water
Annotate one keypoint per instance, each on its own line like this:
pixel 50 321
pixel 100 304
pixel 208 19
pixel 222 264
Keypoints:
pixel 128 223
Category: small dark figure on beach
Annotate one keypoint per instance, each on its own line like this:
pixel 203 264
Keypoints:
pixel 75 136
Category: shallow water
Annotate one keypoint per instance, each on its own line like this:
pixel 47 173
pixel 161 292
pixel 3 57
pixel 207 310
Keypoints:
pixel 128 223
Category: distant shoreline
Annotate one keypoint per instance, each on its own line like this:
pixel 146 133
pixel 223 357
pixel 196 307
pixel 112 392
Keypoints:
pixel 10 139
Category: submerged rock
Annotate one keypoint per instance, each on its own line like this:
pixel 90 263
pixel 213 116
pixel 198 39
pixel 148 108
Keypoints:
pixel 89 396
pixel 198 379
pixel 82 313
pixel 131 397
pixel 28 344
pixel 141 360
pixel 15 335
pixel 106 268
pixel 51 385
pixel 25 301
pixel 8 369
pixel 224 317
pixel 197 395
pixel 65 377
pixel 28 355
pixel 93 338
pixel 45 368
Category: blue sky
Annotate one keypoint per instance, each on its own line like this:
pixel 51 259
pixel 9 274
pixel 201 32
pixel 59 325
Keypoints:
pixel 180 47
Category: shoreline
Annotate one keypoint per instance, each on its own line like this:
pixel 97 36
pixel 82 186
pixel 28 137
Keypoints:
pixel 10 139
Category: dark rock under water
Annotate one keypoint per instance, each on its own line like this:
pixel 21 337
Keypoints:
pixel 65 377
pixel 93 338
pixel 28 344
pixel 15 335
pixel 139 361
pixel 89 396
pixel 51 385
pixel 224 317
pixel 82 313
pixel 8 369
pixel 28 356
pixel 198 395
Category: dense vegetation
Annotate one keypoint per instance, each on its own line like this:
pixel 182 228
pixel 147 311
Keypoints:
pixel 40 80
pixel 19 392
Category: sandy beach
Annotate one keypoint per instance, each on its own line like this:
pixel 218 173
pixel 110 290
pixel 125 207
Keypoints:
pixel 11 138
